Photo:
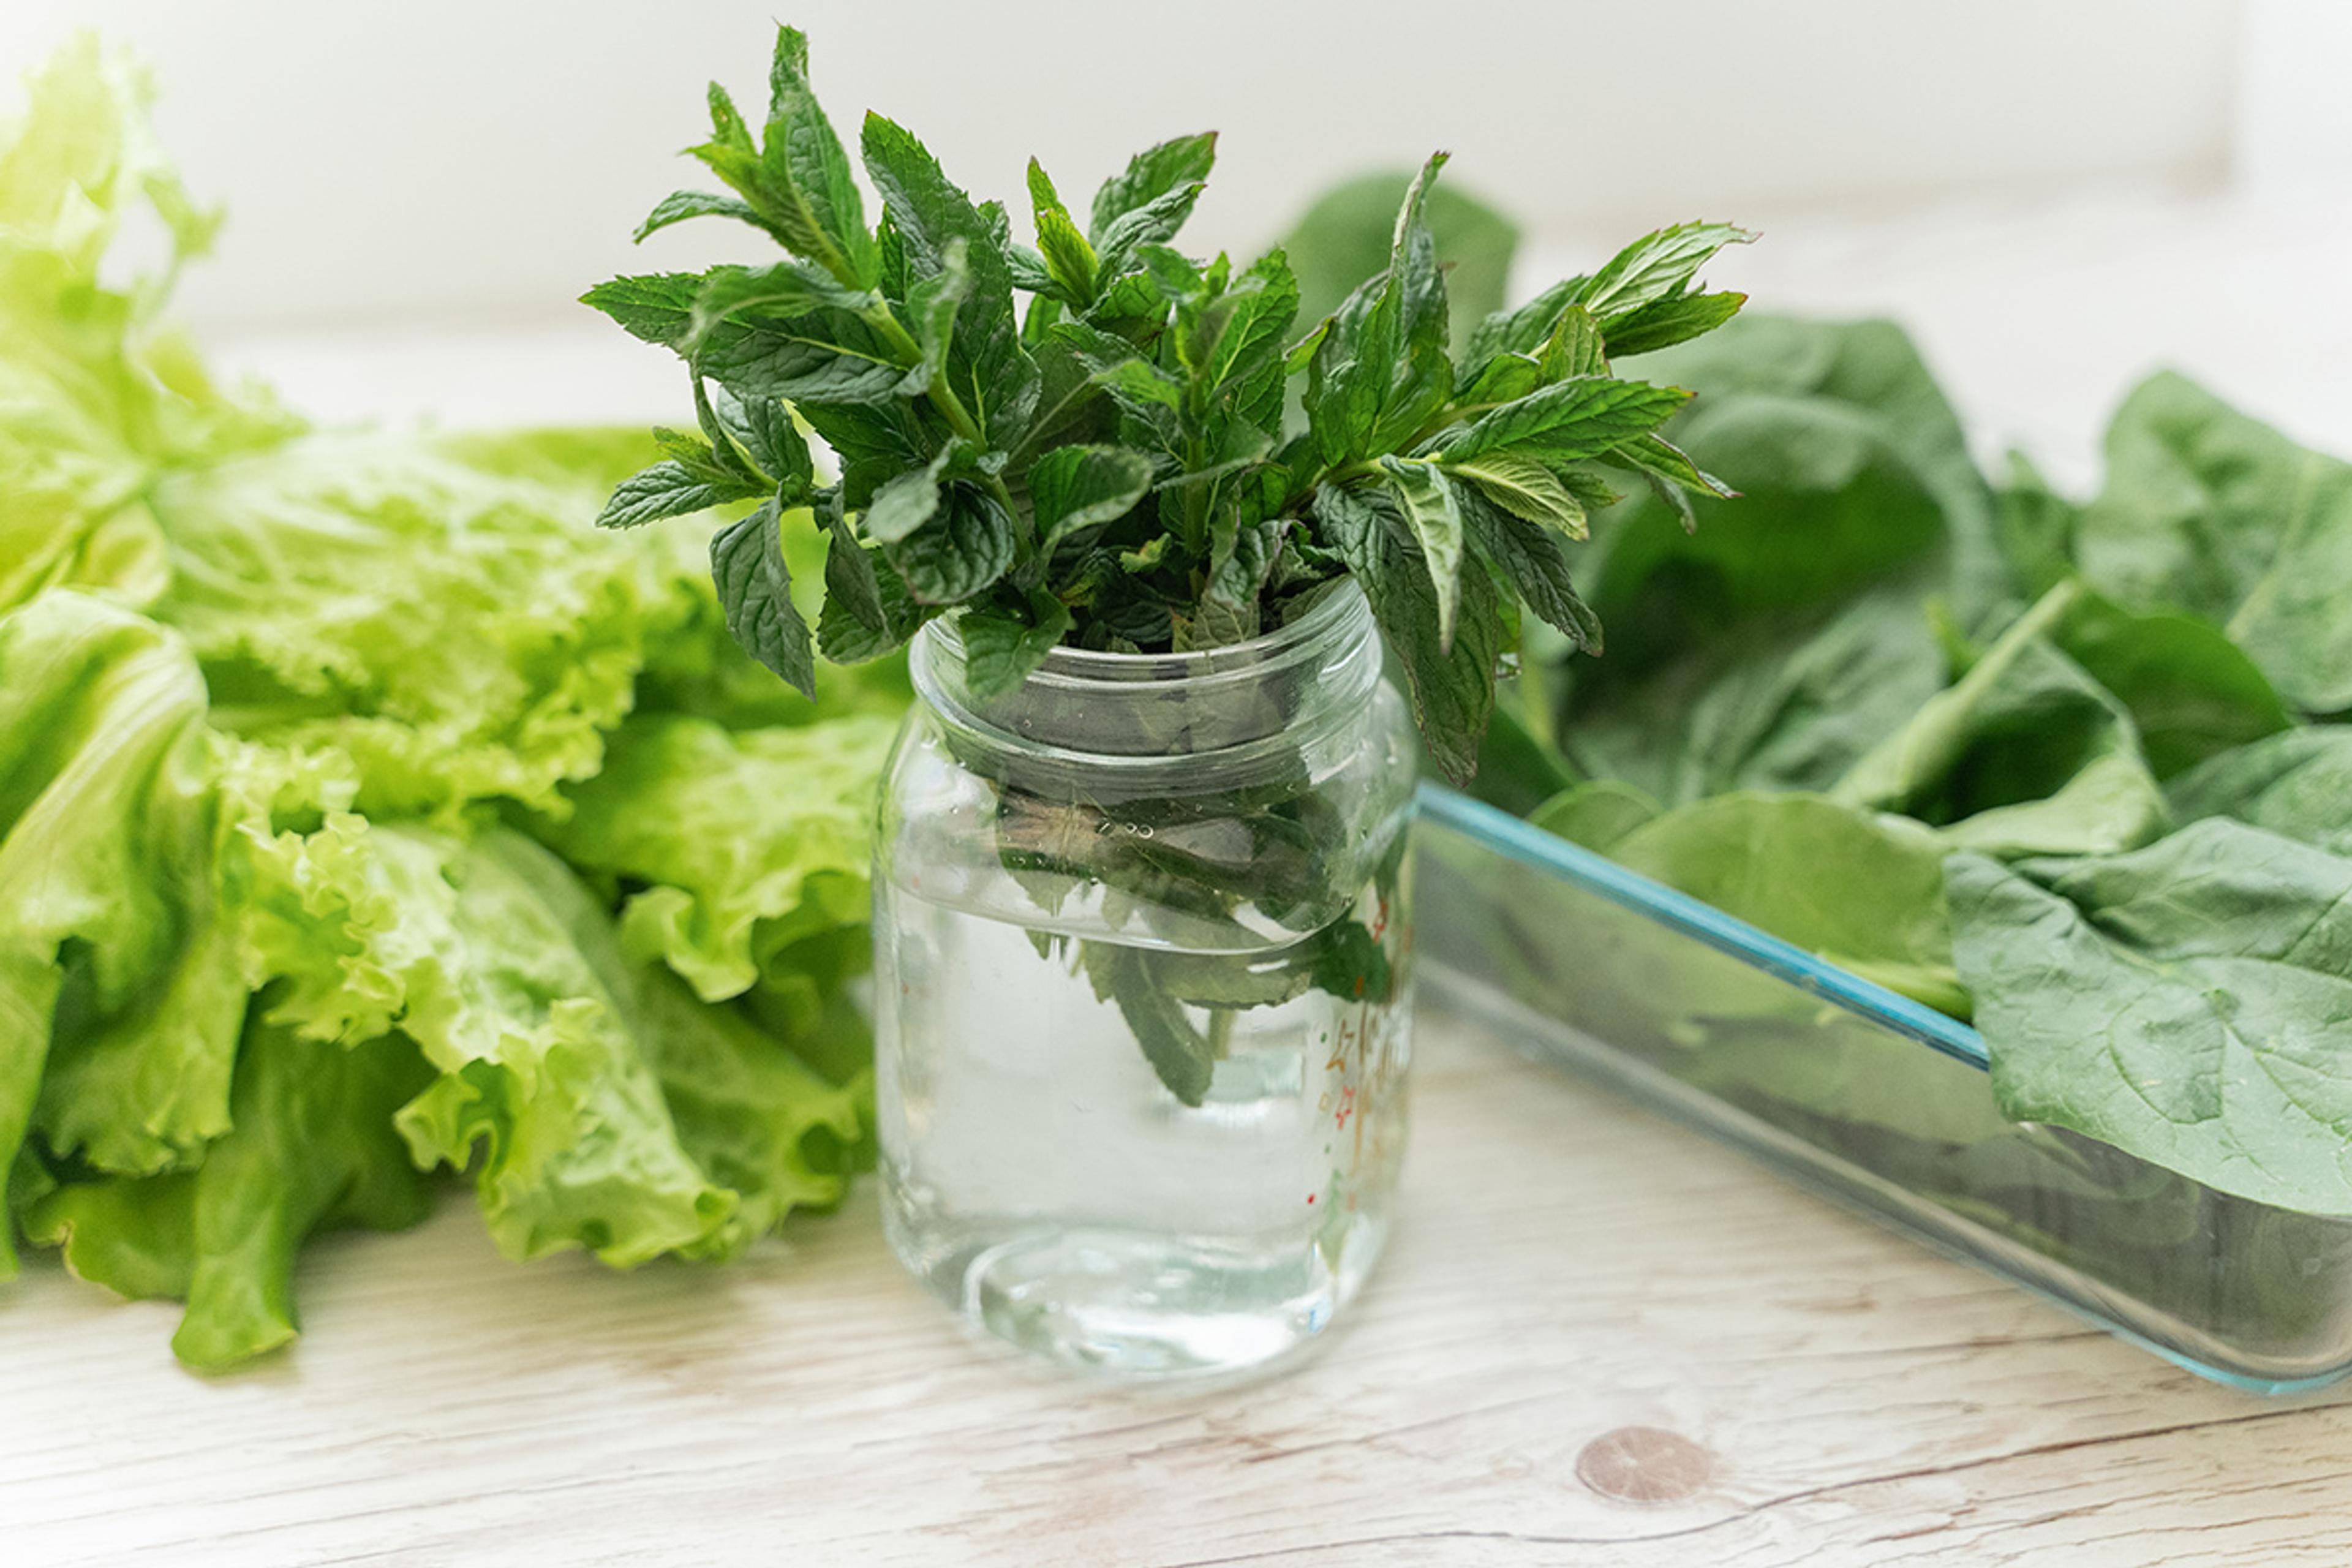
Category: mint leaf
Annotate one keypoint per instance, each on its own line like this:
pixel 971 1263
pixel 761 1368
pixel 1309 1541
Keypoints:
pixel 867 611
pixel 1184 1058
pixel 1150 177
pixel 1525 487
pixel 1672 476
pixel 1069 260
pixel 763 429
pixel 782 288
pixel 903 505
pixel 933 304
pixel 960 550
pixel 747 563
pixel 1381 369
pixel 1533 559
pixel 1581 418
pixel 1576 346
pixel 652 308
pixel 815 203
pixel 667 488
pixel 1666 322
pixel 1654 267
pixel 1242 333
pixel 679 206
pixel 1453 688
pixel 1075 488
pixel 1000 649
pixel 991 375
pixel 834 358
pixel 1132 233
pixel 1426 501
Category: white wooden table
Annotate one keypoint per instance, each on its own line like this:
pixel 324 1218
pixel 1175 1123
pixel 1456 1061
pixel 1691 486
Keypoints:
pixel 1597 1340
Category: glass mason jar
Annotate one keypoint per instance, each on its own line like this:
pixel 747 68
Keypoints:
pixel 1142 942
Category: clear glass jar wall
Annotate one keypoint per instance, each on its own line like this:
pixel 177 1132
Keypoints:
pixel 1142 951
pixel 1867 1094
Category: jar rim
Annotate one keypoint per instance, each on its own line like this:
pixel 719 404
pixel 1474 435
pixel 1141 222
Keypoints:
pixel 1096 714
pixel 1342 613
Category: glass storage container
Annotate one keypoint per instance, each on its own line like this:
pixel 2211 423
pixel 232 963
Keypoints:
pixel 1141 965
pixel 1876 1099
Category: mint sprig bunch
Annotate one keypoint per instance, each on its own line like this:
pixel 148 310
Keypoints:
pixel 1106 462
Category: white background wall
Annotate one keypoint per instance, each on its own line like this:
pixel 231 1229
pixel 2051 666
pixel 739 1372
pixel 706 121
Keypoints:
pixel 458 160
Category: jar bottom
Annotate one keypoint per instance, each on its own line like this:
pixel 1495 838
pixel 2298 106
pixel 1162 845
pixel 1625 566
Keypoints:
pixel 1136 1304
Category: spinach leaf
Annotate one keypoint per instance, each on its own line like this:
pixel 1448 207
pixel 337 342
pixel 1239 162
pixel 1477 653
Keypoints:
pixel 2207 512
pixel 1860 889
pixel 2297 784
pixel 2024 754
pixel 2184 1003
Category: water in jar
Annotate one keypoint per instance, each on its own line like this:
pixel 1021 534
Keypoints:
pixel 1044 1180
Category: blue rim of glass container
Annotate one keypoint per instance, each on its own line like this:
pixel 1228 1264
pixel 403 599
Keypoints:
pixel 1528 844
pixel 1509 835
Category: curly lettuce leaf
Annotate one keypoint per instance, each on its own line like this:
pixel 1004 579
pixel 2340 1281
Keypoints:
pixel 93 395
pixel 443 626
pixel 750 841
pixel 313 1149
pixel 110 971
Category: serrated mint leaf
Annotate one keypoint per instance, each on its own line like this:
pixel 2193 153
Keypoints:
pixel 1146 392
pixel 1568 421
pixel 1666 322
pixel 1029 275
pixel 933 303
pixel 667 488
pixel 1672 475
pixel 1236 447
pixel 1068 259
pixel 1382 368
pixel 763 428
pixel 963 547
pixel 1184 1058
pixel 1425 501
pixel 1533 559
pixel 1000 649
pixel 1150 224
pixel 992 376
pixel 1653 268
pixel 1149 176
pixel 1575 346
pixel 1506 378
pixel 832 358
pixel 728 129
pixel 1242 331
pixel 1526 489
pixel 779 289
pixel 747 563
pixel 1523 328
pixel 1452 688
pixel 814 202
pixel 652 308
pixel 712 459
pixel 868 611
pixel 903 505
pixel 1237 578
pixel 679 206
pixel 1074 489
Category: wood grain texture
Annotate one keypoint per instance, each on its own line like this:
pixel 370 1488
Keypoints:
pixel 1582 1306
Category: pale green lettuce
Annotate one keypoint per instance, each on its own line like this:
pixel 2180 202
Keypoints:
pixel 365 814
